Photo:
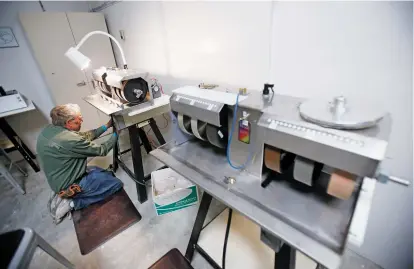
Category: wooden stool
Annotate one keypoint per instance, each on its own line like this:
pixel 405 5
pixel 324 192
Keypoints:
pixel 172 260
pixel 99 222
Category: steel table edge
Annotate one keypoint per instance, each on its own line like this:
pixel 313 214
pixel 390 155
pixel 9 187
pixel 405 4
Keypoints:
pixel 300 241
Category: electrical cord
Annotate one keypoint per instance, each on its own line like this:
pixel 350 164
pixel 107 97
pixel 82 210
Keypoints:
pixel 149 138
pixel 165 126
pixel 166 121
pixel 226 237
pixel 249 157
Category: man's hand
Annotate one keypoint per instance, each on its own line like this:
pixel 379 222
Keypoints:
pixel 109 124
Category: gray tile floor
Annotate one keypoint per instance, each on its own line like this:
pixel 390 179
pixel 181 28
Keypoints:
pixel 137 247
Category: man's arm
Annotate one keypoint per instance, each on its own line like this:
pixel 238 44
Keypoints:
pixel 88 148
pixel 94 134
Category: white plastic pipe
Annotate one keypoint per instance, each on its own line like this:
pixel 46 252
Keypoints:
pixel 108 35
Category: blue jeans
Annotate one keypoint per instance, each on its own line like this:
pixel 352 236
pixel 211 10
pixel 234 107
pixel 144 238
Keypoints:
pixel 96 186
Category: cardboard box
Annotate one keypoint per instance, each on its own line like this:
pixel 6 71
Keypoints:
pixel 171 191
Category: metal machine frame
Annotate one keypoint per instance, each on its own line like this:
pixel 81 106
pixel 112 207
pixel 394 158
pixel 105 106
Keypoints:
pixel 138 175
pixel 279 125
pixel 129 116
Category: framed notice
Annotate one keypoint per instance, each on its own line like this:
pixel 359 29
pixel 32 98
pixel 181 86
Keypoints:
pixel 7 38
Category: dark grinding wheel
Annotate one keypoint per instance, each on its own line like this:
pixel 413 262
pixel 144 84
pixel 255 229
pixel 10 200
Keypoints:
pixel 135 90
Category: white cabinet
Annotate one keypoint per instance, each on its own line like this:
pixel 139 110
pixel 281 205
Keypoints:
pixel 50 35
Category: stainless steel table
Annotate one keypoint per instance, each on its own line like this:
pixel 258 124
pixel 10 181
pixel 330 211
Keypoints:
pixel 133 119
pixel 302 220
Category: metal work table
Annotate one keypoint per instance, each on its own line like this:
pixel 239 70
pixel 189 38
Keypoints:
pixel 313 225
pixel 133 119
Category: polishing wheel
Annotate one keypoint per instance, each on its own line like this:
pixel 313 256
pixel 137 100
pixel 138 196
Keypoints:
pixel 337 183
pixel 103 89
pixel 135 90
pixel 184 123
pixel 217 136
pixel 199 129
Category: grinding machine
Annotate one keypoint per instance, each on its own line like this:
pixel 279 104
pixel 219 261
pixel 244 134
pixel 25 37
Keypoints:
pixel 306 160
pixel 132 99
pixel 129 96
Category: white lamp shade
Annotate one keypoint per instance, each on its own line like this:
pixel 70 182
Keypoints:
pixel 80 60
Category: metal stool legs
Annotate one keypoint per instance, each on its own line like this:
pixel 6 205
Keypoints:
pixel 6 174
pixel 4 153
pixel 53 252
pixel 27 246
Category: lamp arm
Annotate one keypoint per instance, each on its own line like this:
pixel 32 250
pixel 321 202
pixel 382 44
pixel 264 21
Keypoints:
pixel 108 35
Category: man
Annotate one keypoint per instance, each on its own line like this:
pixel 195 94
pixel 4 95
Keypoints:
pixel 63 152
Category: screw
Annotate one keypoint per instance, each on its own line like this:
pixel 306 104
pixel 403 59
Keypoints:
pixel 229 180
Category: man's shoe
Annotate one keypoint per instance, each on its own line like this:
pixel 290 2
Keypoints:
pixel 59 208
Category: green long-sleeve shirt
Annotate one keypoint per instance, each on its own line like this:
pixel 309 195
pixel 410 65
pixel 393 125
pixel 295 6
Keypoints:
pixel 63 153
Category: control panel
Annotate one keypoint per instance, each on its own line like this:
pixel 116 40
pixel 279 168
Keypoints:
pixel 312 132
pixel 209 105
pixel 198 108
pixel 346 150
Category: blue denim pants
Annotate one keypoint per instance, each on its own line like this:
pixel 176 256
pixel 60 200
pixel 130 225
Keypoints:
pixel 96 185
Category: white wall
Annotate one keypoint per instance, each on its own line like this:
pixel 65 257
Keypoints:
pixel 320 48
pixel 19 69
pixel 362 49
pixel 184 40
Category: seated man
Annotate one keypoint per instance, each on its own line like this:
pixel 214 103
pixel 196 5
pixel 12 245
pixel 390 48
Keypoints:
pixel 63 151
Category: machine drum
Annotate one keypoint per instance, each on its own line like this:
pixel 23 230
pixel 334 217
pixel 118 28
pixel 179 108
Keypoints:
pixel 118 94
pixel 339 184
pixel 303 170
pixel 184 122
pixel 102 87
pixel 135 90
pixel 278 160
pixel 199 129
pixel 272 157
pixel 217 136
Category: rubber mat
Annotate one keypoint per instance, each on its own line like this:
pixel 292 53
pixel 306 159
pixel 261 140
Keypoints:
pixel 99 222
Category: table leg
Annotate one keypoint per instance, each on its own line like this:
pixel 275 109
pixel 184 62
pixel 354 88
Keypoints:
pixel 144 139
pixel 115 149
pixel 285 258
pixel 115 154
pixel 198 225
pixel 19 145
pixel 156 131
pixel 137 163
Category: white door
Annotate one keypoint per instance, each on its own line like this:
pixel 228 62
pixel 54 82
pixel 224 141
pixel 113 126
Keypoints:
pixel 50 35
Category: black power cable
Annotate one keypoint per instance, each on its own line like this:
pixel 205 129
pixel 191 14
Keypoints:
pixel 226 237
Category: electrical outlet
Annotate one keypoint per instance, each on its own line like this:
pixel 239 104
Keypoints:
pixel 122 34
